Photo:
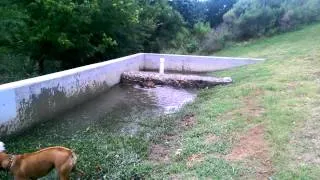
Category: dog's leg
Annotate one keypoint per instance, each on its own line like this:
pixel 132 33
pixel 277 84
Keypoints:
pixel 64 176
pixel 65 170
pixel 64 173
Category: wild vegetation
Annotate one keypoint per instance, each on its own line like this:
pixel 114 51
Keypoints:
pixel 44 36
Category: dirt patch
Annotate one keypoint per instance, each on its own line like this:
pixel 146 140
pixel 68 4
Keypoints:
pixel 159 153
pixel 253 150
pixel 250 109
pixel 194 159
pixel 169 137
pixel 292 85
pixel 188 121
pixel 317 74
pixel 251 144
pixel 182 177
pixel 211 138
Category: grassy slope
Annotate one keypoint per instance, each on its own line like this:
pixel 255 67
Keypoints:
pixel 284 89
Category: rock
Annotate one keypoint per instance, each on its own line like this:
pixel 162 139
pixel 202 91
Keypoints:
pixel 148 84
pixel 151 79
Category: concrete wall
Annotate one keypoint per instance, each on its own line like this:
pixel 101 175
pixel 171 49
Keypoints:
pixel 29 101
pixel 24 103
pixel 186 63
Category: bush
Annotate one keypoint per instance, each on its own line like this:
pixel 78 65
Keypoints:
pixel 255 18
pixel 15 67
pixel 201 30
pixel 248 19
pixel 297 12
pixel 189 41
pixel 216 39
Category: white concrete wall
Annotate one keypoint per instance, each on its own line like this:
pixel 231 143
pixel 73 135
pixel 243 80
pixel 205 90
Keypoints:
pixel 188 63
pixel 24 103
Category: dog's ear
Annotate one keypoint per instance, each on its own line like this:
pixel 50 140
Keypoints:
pixel 2 148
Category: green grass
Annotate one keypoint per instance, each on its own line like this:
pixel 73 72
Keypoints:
pixel 284 90
pixel 289 80
pixel 285 86
pixel 101 154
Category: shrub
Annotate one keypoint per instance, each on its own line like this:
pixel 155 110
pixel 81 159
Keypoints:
pixel 15 66
pixel 189 41
pixel 200 30
pixel 297 12
pixel 252 18
pixel 216 39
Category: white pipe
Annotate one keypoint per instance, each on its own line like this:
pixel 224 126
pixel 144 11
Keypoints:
pixel 161 69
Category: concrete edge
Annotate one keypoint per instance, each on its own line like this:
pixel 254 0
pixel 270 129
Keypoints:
pixel 47 77
pixel 60 74
pixel 213 57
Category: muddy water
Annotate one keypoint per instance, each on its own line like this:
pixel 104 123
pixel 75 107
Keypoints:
pixel 120 109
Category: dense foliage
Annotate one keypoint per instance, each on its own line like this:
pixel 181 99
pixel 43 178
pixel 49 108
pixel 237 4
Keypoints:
pixel 44 36
pixel 255 18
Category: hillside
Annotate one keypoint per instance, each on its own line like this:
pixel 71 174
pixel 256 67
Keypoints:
pixel 266 124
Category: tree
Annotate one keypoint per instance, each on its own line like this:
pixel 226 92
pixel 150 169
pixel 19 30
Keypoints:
pixel 166 25
pixel 14 61
pixel 80 32
pixel 216 10
pixel 193 11
pixel 62 30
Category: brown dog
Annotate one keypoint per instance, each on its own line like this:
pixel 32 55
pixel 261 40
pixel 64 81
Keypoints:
pixel 38 164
